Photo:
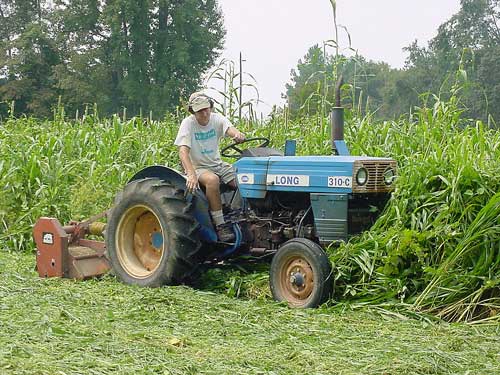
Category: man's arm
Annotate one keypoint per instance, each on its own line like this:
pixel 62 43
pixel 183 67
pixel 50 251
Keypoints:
pixel 235 134
pixel 192 180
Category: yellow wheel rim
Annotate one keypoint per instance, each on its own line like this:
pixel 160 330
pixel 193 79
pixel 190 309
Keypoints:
pixel 140 242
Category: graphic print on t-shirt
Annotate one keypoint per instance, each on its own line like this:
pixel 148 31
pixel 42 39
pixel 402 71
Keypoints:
pixel 202 138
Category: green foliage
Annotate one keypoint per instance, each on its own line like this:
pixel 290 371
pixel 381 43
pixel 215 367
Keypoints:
pixel 234 107
pixel 71 169
pixel 58 326
pixel 442 218
pixel 311 91
pixel 142 55
pixel 468 42
pixel 27 56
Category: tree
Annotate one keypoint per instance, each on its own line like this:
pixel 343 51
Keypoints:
pixel 145 54
pixel 468 41
pixel 27 56
pixel 307 87
pixel 79 34
pixel 188 39
pixel 313 83
pixel 139 54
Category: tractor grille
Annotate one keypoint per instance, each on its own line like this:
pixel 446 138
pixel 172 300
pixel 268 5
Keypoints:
pixel 376 182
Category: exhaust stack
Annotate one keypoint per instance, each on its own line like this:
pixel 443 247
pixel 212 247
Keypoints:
pixel 339 147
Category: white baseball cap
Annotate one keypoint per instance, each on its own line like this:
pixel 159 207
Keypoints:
pixel 199 101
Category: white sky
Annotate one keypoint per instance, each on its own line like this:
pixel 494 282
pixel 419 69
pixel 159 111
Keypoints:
pixel 274 34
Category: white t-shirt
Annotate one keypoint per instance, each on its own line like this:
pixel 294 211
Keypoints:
pixel 203 140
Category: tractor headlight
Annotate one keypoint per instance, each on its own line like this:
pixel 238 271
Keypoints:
pixel 362 176
pixel 389 176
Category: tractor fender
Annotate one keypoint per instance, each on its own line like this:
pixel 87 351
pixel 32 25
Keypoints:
pixel 201 210
pixel 166 174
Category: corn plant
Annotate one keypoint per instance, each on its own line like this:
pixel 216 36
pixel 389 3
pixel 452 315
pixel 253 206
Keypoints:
pixel 228 97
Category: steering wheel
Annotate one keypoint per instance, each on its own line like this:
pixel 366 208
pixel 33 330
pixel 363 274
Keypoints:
pixel 232 146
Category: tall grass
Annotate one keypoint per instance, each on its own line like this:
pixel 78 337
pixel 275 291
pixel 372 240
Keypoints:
pixel 436 247
pixel 71 169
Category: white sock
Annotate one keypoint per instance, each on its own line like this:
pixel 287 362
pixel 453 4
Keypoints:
pixel 217 217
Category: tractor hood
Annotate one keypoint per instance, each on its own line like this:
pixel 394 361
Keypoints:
pixel 315 174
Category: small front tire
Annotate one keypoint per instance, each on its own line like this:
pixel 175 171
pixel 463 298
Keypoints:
pixel 301 274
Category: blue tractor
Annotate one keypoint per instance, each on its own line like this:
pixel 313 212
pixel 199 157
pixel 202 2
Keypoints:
pixel 287 207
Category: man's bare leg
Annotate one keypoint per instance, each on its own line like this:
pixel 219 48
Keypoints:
pixel 211 182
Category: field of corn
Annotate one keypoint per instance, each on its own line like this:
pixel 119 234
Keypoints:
pixel 433 256
pixel 435 249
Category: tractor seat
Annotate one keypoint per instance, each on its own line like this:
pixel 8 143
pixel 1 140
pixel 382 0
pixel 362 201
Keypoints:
pixel 223 188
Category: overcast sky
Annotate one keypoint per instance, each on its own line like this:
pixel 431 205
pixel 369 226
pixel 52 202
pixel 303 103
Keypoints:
pixel 274 34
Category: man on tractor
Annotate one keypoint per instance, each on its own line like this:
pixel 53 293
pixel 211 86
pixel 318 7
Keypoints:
pixel 198 142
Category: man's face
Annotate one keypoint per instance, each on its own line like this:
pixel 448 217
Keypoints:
pixel 203 116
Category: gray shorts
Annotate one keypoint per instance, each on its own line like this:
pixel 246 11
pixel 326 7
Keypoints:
pixel 225 171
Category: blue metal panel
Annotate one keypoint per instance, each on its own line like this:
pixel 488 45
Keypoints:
pixel 290 147
pixel 251 176
pixel 314 174
pixel 330 216
pixel 313 171
pixel 341 148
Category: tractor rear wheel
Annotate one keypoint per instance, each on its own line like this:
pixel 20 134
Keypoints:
pixel 301 274
pixel 151 236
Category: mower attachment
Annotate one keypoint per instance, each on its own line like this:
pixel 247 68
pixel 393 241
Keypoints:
pixel 63 251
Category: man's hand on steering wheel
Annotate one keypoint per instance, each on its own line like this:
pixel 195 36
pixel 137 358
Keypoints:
pixel 238 136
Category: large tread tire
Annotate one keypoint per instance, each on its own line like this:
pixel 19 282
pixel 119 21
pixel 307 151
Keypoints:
pixel 301 274
pixel 152 236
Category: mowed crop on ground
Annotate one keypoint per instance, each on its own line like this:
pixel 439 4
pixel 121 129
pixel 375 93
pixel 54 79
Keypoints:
pixel 60 326
pixel 435 249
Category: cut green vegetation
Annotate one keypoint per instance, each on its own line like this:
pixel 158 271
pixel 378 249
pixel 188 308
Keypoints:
pixel 59 326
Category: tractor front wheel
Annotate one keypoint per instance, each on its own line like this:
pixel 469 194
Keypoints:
pixel 151 236
pixel 301 274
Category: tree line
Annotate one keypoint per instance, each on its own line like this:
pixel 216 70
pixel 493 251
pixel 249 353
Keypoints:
pixel 142 55
pixel 461 60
